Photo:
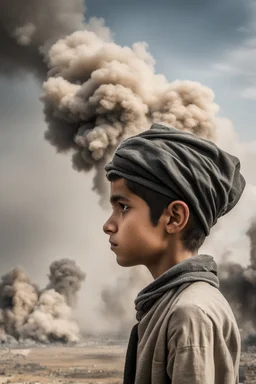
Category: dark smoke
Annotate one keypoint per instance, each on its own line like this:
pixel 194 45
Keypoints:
pixel 238 284
pixel 28 313
pixel 28 28
pixel 66 278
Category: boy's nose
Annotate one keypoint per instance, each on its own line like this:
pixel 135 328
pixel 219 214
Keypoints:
pixel 109 227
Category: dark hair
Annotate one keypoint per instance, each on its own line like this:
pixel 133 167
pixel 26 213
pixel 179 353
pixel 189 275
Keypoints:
pixel 193 234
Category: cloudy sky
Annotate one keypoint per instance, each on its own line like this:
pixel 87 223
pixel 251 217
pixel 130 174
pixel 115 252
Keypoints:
pixel 47 210
pixel 213 42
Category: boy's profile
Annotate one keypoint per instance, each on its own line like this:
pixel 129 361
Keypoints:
pixel 168 188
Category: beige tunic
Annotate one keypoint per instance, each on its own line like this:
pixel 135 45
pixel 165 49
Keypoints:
pixel 189 336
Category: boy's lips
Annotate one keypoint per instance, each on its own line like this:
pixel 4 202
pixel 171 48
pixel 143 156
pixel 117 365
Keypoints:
pixel 112 244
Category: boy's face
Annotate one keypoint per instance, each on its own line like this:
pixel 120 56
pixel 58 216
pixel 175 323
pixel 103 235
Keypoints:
pixel 132 236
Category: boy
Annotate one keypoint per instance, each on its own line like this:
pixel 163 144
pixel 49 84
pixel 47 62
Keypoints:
pixel 168 188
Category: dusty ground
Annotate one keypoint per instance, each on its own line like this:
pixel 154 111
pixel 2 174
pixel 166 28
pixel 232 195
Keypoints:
pixel 90 364
pixel 86 364
pixel 248 367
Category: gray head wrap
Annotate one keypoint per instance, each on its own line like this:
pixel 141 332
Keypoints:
pixel 181 166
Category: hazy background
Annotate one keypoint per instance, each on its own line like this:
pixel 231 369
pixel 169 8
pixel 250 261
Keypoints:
pixel 48 211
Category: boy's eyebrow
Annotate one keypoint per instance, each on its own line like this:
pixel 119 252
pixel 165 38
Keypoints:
pixel 115 198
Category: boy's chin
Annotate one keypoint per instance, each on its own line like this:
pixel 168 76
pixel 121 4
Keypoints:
pixel 123 262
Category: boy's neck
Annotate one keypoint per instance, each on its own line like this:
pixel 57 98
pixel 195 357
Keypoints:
pixel 168 260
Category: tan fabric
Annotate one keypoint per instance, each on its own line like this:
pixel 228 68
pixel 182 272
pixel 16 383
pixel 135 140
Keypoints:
pixel 189 336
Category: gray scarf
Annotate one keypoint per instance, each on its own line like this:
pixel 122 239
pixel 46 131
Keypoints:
pixel 196 268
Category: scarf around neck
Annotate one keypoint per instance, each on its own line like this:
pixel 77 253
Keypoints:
pixel 196 268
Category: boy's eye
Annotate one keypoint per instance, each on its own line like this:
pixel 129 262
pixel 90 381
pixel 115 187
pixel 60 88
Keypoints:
pixel 124 207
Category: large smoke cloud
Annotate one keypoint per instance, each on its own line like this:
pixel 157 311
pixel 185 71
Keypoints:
pixel 28 313
pixel 99 93
pixel 95 94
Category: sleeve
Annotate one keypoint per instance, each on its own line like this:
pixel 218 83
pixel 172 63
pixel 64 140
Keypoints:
pixel 190 347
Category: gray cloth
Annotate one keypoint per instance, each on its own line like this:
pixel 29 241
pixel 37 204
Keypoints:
pixel 181 166
pixel 196 268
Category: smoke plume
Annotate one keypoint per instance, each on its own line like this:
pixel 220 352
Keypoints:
pixel 116 305
pixel 28 28
pixel 66 278
pixel 238 284
pixel 28 313
pixel 95 94
pixel 99 93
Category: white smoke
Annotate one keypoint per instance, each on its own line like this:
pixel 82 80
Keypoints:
pixel 28 313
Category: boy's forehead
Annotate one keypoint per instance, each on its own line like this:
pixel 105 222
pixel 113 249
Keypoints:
pixel 120 191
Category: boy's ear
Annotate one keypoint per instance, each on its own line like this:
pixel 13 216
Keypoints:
pixel 177 216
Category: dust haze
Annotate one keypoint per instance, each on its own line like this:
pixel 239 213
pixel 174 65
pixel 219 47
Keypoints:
pixel 28 313
pixel 94 93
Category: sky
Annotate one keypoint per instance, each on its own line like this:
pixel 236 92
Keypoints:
pixel 213 42
pixel 48 210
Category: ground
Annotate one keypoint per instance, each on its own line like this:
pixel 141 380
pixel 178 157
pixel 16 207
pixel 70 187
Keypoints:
pixel 93 363
pixel 63 365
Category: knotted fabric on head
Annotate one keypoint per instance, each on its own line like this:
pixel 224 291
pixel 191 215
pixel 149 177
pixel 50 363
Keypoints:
pixel 181 166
